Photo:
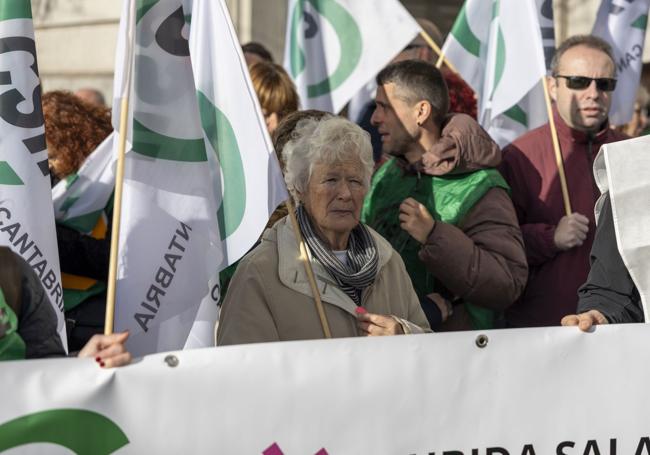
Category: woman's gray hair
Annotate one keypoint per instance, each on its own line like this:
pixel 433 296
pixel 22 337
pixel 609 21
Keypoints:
pixel 328 140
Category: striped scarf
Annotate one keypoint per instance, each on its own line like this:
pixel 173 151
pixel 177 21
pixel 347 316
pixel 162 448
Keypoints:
pixel 362 257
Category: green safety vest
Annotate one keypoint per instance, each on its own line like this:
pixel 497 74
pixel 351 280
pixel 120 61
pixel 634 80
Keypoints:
pixel 448 198
pixel 12 346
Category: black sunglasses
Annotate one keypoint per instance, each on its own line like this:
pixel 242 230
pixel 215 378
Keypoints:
pixel 604 84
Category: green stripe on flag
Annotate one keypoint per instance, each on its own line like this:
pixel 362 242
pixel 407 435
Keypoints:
pixel 517 114
pixel 143 7
pixel 69 180
pixel 155 145
pixel 464 35
pixel 15 9
pixel 222 137
pixel 641 22
pixel 8 176
pixel 296 53
pixel 69 202
pixel 84 223
pixel 500 60
pixel 495 9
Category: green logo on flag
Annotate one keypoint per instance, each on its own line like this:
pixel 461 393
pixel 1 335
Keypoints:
pixel 15 9
pixel 222 137
pixel 640 22
pixel 349 37
pixel 464 35
pixel 8 176
pixel 171 44
pixel 156 145
pixel 83 432
pixel 517 114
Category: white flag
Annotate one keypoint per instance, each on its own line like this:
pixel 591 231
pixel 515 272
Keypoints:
pixel 80 200
pixel 622 23
pixel 334 47
pixel 26 215
pixel 502 59
pixel 196 194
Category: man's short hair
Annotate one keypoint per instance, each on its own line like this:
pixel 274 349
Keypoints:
pixel 258 49
pixel 590 41
pixel 418 81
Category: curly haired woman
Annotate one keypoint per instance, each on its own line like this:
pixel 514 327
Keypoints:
pixel 73 129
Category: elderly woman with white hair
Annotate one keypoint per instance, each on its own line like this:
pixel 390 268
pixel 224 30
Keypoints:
pixel 362 281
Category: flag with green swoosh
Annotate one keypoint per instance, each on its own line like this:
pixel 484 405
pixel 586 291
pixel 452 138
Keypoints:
pixel 496 46
pixel 201 177
pixel 26 218
pixel 623 25
pixel 334 47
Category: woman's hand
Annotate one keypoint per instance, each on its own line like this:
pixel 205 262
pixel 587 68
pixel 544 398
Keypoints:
pixel 415 219
pixel 108 350
pixel 373 325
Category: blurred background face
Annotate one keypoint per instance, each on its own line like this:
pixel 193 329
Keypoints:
pixel 584 110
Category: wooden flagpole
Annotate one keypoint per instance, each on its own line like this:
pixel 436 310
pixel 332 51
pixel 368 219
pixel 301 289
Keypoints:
pixel 441 56
pixel 557 149
pixel 119 183
pixel 304 257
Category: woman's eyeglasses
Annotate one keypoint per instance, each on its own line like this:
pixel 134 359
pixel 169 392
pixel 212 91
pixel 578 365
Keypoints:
pixel 604 84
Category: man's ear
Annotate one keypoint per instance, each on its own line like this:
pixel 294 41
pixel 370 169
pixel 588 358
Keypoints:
pixel 424 112
pixel 552 87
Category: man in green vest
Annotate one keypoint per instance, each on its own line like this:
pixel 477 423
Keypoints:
pixel 441 203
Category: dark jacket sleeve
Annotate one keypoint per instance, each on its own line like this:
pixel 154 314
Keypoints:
pixel 538 237
pixel 483 261
pixel 37 322
pixel 83 255
pixel 609 287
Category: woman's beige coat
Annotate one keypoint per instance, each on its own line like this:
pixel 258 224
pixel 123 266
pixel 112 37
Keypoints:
pixel 269 298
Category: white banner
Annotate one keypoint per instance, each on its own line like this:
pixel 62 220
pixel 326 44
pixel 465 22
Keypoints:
pixel 528 391
pixel 26 214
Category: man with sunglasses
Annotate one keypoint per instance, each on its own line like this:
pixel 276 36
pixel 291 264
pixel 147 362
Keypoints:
pixel 557 245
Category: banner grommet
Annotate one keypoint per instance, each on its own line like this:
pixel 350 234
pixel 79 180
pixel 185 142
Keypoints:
pixel 482 341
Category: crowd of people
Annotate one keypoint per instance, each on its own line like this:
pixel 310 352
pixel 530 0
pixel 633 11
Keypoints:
pixel 415 221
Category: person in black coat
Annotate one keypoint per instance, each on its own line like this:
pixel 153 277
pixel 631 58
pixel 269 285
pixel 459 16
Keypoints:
pixel 609 296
